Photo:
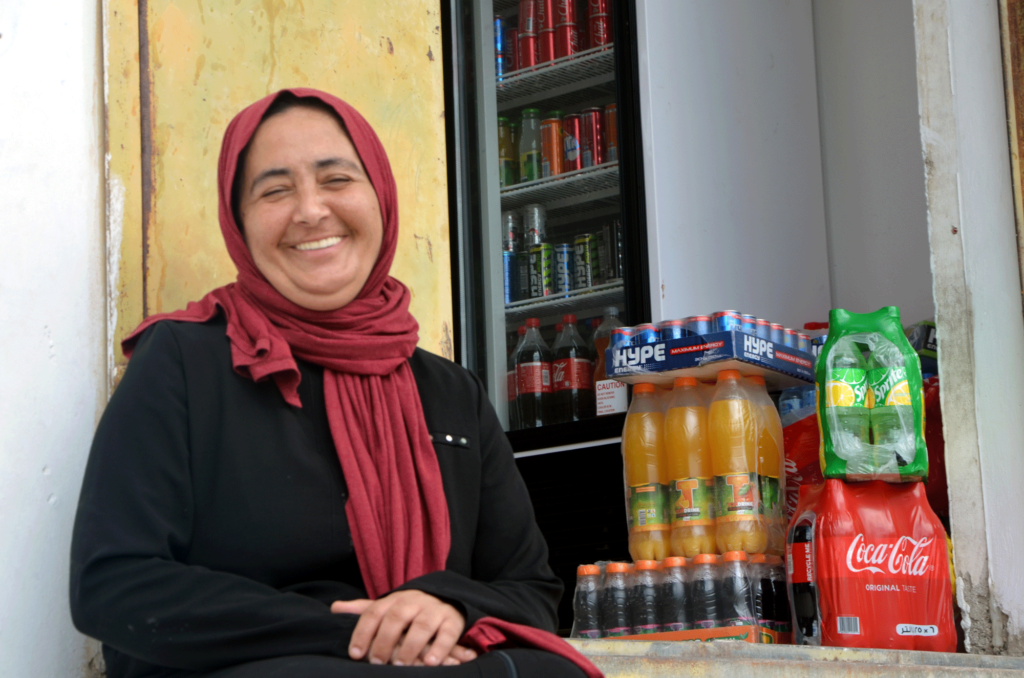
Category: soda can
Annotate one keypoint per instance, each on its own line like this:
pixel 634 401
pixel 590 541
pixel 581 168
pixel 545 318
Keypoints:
pixel 775 335
pixel 672 329
pixel 511 231
pixel 764 329
pixel 611 132
pixel 585 245
pixel 572 130
pixel 551 152
pixel 511 49
pixel 566 29
pixel 593 137
pixel 542 268
pixel 621 336
pixel 510 270
pixel 646 334
pixel 803 342
pixel 500 65
pixel 599 24
pixel 748 324
pixel 529 48
pixel 789 338
pixel 614 263
pixel 699 325
pixel 535 230
pixel 545 31
pixel 564 268
pixel 523 274
pixel 724 321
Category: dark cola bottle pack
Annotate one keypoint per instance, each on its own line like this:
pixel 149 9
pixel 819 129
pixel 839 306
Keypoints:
pixel 572 375
pixel 586 606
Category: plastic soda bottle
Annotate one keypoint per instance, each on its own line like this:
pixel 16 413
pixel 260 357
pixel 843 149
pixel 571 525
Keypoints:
pixel 643 452
pixel 572 374
pixel 533 369
pixel 762 591
pixel 777 576
pixel 586 621
pixel 601 338
pixel 892 415
pixel 846 397
pixel 674 595
pixel 736 606
pixel 615 620
pixel 769 465
pixel 691 479
pixel 732 432
pixel 644 601
pixel 705 591
pixel 529 146
pixel 513 382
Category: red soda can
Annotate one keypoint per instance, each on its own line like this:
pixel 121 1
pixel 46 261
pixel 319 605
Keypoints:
pixel 529 48
pixel 512 49
pixel 611 132
pixel 546 46
pixel 572 129
pixel 546 30
pixel 593 150
pixel 551 153
pixel 599 23
pixel 565 12
pixel 566 41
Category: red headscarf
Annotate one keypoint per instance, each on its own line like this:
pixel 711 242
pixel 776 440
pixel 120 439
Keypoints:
pixel 397 510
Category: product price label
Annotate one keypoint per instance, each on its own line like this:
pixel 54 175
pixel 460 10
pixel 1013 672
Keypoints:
pixel 573 374
pixel 846 388
pixel 771 505
pixel 888 387
pixel 534 377
pixel 737 496
pixel 693 501
pixel 647 508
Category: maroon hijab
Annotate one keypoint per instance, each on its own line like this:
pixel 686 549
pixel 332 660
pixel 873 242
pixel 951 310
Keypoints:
pixel 397 510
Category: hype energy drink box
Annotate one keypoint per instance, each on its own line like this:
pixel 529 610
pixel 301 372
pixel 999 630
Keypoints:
pixel 542 270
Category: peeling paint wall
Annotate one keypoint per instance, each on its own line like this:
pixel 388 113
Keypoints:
pixel 52 317
pixel 208 60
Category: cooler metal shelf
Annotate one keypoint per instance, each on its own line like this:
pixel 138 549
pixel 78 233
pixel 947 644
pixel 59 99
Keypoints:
pixel 572 302
pixel 559 194
pixel 501 6
pixel 561 83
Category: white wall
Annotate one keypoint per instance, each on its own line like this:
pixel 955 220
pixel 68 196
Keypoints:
pixel 52 328
pixel 871 156
pixel 732 159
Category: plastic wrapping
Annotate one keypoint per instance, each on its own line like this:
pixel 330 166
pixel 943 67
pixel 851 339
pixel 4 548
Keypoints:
pixel 868 566
pixel 870 400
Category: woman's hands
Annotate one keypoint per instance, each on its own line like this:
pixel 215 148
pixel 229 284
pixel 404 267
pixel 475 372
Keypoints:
pixel 406 628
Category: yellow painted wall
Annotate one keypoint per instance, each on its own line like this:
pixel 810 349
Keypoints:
pixel 211 58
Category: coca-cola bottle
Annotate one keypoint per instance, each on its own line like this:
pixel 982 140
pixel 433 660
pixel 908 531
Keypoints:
pixel 513 382
pixel 533 369
pixel 803 597
pixel 573 375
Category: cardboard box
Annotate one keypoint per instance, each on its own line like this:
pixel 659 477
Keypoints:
pixel 704 356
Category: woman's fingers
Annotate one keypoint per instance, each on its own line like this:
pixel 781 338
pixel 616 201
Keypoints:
pixel 366 628
pixel 350 606
pixel 447 635
pixel 463 654
pixel 421 629
pixel 405 628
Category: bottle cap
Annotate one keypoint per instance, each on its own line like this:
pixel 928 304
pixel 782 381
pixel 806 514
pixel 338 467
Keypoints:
pixel 531 112
pixel 723 375
pixel 522 329
pixel 704 558
pixel 535 322
pixel 559 327
pixel 643 388
pixel 758 558
pixel 569 318
pixel 685 381
pixel 587 569
pixel 731 556
pixel 555 114
pixel 646 565
pixel 616 567
pixel 673 561
pixel 611 310
pixel 502 118
pixel 757 379
pixel 774 560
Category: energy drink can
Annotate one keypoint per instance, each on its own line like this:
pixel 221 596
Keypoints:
pixel 698 325
pixel 789 338
pixel 646 334
pixel 572 158
pixel 542 268
pixel 764 329
pixel 672 329
pixel 748 324
pixel 621 336
pixel 776 333
pixel 523 274
pixel 510 271
pixel 803 342
pixel 551 152
pixel 586 260
pixel 535 227
pixel 511 232
pixel 724 321
pixel 564 268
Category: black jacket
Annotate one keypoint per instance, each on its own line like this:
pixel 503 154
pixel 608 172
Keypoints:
pixel 211 528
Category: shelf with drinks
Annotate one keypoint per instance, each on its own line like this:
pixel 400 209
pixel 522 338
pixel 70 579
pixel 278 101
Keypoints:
pixel 570 189
pixel 577 301
pixel 560 83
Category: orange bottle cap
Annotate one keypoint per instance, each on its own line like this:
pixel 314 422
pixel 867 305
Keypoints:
pixel 685 381
pixel 730 556
pixel 757 379
pixel 646 565
pixel 775 560
pixel 587 569
pixel 728 374
pixel 643 388
pixel 673 561
pixel 616 567
pixel 758 558
pixel 704 558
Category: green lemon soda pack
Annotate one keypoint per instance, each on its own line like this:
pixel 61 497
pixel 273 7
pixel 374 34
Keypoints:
pixel 869 399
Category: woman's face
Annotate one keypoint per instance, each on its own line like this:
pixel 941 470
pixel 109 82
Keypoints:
pixel 310 215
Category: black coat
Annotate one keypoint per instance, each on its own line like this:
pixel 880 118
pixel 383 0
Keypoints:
pixel 211 528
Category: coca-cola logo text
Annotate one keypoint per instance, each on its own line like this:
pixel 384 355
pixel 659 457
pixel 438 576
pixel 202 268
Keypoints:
pixel 904 557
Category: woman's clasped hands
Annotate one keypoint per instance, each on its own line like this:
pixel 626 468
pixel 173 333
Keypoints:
pixel 406 628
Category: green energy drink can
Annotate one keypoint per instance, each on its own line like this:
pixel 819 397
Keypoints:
pixel 586 260
pixel 523 275
pixel 542 269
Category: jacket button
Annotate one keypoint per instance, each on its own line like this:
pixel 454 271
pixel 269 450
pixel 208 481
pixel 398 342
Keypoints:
pixel 448 438
pixel 463 441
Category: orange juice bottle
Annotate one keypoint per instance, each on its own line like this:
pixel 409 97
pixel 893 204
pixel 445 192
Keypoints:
pixel 769 463
pixel 643 452
pixel 691 480
pixel 732 433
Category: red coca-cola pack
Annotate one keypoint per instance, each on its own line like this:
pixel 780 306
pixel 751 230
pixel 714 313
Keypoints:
pixel 868 566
